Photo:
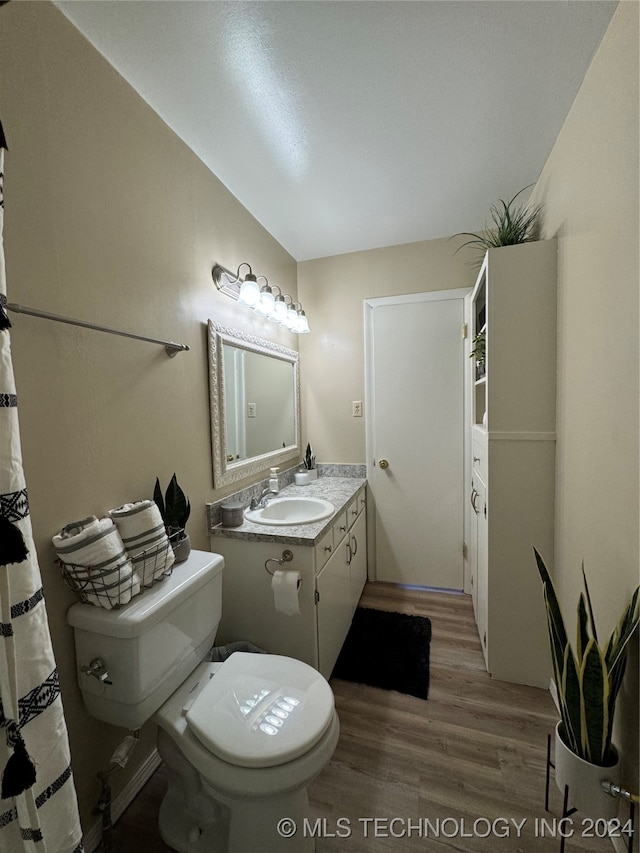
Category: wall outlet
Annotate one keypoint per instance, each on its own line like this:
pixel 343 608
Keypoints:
pixel 251 410
pixel 357 408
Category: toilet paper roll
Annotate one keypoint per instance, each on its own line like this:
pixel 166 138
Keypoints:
pixel 285 592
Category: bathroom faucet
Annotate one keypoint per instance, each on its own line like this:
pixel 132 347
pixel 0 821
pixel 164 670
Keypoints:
pixel 259 503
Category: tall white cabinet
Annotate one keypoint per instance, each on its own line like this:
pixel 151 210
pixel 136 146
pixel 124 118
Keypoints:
pixel 511 451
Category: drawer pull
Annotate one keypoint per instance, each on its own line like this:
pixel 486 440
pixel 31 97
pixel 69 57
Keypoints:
pixel 328 548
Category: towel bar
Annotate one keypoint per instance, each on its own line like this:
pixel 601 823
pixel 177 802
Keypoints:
pixel 170 347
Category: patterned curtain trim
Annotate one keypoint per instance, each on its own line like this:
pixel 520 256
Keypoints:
pixel 35 702
pixel 14 506
pixel 11 814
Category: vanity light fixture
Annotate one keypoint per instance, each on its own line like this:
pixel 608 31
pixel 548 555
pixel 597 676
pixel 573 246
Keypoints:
pixel 247 291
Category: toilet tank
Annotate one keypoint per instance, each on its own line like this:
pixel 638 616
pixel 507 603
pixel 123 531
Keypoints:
pixel 150 645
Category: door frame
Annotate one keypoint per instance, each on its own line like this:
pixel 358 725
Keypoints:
pixel 368 306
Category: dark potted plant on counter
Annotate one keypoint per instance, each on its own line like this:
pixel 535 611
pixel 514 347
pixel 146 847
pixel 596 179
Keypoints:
pixel 587 679
pixel 509 226
pixel 175 510
pixel 309 462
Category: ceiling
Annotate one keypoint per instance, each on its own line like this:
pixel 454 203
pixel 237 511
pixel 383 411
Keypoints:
pixel 344 126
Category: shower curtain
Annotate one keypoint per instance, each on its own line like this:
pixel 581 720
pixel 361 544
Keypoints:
pixel 38 807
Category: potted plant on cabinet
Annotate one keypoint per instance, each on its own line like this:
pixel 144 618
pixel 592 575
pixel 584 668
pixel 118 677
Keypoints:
pixel 479 352
pixel 175 510
pixel 587 679
pixel 510 225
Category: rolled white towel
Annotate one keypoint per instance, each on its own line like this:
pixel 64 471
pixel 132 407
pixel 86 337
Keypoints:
pixel 96 561
pixel 145 539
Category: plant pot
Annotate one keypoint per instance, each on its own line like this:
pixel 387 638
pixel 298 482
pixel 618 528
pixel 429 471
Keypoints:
pixel 584 781
pixel 181 548
pixel 313 473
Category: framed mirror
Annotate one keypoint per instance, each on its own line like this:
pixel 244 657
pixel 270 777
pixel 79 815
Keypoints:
pixel 254 397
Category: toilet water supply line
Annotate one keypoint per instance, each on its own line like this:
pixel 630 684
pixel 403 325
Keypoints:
pixel 621 793
pixel 119 760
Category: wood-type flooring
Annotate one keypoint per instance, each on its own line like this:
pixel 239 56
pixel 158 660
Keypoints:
pixel 462 771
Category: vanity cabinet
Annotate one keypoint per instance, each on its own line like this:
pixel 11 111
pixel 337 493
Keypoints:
pixel 333 571
pixel 511 448
pixel 340 583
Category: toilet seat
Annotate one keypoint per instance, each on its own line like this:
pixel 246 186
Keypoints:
pixel 261 710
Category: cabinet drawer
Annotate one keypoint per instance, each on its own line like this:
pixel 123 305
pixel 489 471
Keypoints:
pixel 355 508
pixel 340 527
pixel 480 459
pixel 324 549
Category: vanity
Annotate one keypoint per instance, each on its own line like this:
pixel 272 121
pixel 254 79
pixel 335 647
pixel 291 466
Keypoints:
pixel 331 557
pixel 254 388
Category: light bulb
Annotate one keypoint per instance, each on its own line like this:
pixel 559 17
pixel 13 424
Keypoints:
pixel 250 291
pixel 280 310
pixel 266 302
pixel 303 323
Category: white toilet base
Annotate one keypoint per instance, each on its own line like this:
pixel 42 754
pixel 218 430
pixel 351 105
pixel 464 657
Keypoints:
pixel 195 818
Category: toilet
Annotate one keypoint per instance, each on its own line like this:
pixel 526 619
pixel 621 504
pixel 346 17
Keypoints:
pixel 241 739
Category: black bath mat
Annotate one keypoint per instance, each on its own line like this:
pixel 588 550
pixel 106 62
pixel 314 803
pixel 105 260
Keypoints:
pixel 387 650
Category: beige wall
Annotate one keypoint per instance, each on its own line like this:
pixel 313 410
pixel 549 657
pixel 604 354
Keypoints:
pixel 109 218
pixel 589 188
pixel 332 359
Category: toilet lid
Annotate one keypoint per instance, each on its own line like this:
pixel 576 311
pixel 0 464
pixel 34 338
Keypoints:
pixel 261 710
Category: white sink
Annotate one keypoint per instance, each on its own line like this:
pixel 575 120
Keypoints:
pixel 293 510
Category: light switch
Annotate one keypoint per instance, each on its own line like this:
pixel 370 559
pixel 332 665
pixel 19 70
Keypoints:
pixel 251 410
pixel 357 408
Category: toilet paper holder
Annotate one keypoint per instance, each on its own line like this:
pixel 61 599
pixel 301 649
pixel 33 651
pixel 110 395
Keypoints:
pixel 286 557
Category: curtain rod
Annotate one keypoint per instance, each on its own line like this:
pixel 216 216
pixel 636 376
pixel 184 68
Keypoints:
pixel 170 347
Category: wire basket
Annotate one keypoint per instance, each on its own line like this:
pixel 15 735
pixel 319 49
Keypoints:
pixel 114 586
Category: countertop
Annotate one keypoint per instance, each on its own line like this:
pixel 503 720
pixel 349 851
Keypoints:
pixel 338 490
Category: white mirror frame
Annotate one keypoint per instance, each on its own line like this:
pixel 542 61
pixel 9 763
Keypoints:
pixel 225 473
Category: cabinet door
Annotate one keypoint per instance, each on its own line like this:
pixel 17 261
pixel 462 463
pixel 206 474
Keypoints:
pixel 334 607
pixel 482 564
pixel 473 544
pixel 357 555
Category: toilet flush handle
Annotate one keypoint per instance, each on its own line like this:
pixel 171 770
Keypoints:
pixel 98 670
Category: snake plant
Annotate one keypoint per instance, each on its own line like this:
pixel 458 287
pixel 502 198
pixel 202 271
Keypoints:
pixel 587 677
pixel 174 508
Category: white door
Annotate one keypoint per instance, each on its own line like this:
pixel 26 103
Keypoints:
pixel 415 436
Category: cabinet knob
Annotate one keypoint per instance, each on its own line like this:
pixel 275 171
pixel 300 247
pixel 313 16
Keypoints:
pixel 328 548
pixel 383 463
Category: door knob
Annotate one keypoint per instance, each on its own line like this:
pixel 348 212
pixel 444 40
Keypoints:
pixel 383 463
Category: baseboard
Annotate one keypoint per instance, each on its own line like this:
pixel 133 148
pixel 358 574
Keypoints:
pixel 120 802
